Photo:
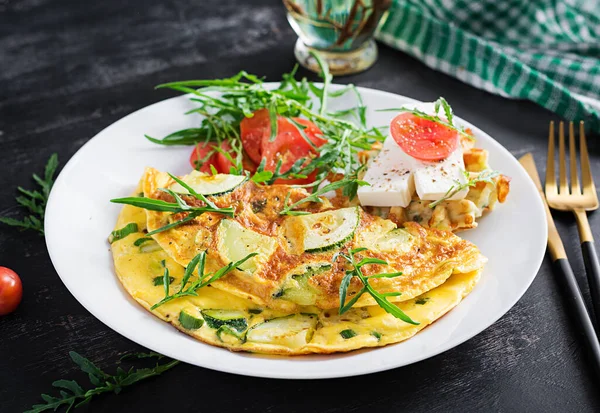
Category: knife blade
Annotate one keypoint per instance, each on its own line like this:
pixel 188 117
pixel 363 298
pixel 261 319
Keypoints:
pixel 555 245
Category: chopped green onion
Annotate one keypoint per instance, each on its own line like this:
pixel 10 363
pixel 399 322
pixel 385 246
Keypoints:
pixel 190 322
pixel 161 281
pixel 141 240
pixel 349 333
pixel 152 247
pixel 376 335
pixel 122 232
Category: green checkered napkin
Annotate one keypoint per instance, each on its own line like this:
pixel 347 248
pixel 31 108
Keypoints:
pixel 543 50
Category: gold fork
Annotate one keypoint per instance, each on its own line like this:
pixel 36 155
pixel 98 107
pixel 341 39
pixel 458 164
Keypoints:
pixel 575 197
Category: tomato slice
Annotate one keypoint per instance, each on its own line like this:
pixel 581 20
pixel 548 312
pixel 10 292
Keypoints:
pixel 200 151
pixel 252 131
pixel 423 139
pixel 255 133
pixel 224 165
pixel 289 146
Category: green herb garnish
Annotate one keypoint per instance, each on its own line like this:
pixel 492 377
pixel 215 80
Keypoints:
pixel 174 207
pixel 141 240
pixel 485 176
pixel 224 103
pixel 203 279
pixel 161 280
pixel 422 300
pixel 380 298
pixel 121 233
pixel 35 201
pixel 189 322
pixel 376 335
pixel 73 395
pixel 348 333
pixel 315 196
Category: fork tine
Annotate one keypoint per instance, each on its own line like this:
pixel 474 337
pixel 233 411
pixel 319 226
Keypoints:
pixel 573 161
pixel 562 162
pixel 587 181
pixel 550 174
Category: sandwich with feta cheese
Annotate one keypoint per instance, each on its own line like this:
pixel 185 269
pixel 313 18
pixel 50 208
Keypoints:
pixel 429 171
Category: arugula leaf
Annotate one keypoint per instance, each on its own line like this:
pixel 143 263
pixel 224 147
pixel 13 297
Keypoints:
pixel 193 192
pixel 35 201
pixel 273 120
pixel 175 207
pixel 314 197
pixel 202 280
pixel 262 177
pixel 72 394
pixel 485 176
pixel 189 136
pixel 380 298
pixel 326 76
pixel 121 233
pixel 447 110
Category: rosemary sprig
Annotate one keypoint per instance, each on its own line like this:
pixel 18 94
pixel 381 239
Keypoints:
pixel 380 298
pixel 203 279
pixel 485 176
pixel 35 200
pixel 71 394
pixel 315 196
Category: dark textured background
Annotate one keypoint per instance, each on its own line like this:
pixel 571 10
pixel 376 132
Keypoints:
pixel 70 68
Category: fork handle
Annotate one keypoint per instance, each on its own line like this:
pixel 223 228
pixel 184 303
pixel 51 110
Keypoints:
pixel 592 269
pixel 573 295
pixel 590 258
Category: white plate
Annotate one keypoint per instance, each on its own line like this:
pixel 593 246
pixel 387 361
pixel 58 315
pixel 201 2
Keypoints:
pixel 79 218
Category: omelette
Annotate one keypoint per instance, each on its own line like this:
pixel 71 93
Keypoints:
pixel 284 296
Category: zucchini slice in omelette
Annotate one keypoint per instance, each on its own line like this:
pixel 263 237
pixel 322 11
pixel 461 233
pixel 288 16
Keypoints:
pixel 285 299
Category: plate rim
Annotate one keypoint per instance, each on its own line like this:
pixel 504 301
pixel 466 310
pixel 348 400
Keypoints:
pixel 365 369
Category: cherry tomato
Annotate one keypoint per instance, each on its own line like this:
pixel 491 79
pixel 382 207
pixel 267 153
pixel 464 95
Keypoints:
pixel 224 164
pixel 11 290
pixel 423 139
pixel 199 153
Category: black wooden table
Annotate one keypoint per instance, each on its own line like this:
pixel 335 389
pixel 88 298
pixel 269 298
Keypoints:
pixel 70 68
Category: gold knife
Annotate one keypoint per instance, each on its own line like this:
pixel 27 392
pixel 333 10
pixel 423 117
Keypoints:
pixel 555 245
pixel 563 270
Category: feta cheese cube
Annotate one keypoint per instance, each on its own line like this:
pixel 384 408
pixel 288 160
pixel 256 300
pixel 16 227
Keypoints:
pixel 433 180
pixel 390 176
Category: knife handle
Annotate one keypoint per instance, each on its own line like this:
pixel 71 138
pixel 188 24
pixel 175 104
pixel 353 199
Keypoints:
pixel 592 269
pixel 582 317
